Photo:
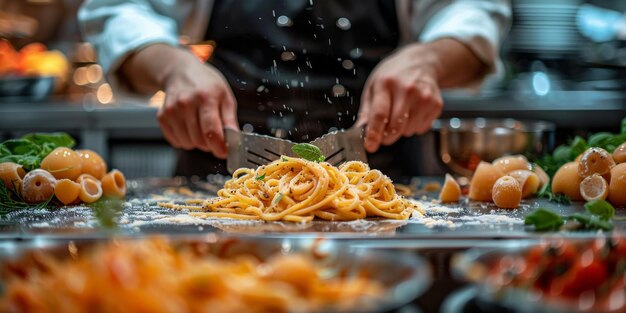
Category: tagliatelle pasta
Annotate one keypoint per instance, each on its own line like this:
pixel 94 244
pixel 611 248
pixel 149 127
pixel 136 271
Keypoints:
pixel 297 190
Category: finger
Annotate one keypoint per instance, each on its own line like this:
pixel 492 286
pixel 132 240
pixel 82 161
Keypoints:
pixel 189 105
pixel 366 101
pixel 436 106
pixel 378 116
pixel 166 129
pixel 211 125
pixel 403 99
pixel 175 125
pixel 431 99
pixel 228 110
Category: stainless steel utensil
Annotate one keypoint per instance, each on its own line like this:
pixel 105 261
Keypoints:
pixel 464 142
pixel 251 150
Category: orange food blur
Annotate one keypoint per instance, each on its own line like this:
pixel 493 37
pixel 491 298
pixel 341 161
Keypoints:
pixel 90 189
pixel 567 181
pixel 507 192
pixel 617 186
pixel 11 175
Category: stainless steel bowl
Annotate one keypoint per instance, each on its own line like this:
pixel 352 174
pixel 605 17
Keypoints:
pixel 463 142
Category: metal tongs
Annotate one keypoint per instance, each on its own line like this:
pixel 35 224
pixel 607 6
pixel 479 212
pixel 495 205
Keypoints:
pixel 252 150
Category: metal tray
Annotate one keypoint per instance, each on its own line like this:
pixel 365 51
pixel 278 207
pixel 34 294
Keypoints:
pixel 404 275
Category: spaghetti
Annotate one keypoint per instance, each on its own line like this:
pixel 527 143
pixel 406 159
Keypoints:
pixel 297 190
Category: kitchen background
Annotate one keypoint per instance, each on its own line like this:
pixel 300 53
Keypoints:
pixel 564 62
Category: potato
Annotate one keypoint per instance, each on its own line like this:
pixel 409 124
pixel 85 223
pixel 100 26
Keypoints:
pixel 482 182
pixel 567 181
pixel 507 192
pixel 511 162
pixel 529 181
pixel 617 186
pixel 619 155
pixel 451 191
pixel 595 161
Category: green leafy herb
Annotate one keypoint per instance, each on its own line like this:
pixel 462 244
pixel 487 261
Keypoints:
pixel 29 150
pixel 309 152
pixel 546 193
pixel 591 222
pixel 11 201
pixel 600 217
pixel 106 210
pixel 278 198
pixel 601 209
pixel 567 153
pixel 262 177
pixel 544 220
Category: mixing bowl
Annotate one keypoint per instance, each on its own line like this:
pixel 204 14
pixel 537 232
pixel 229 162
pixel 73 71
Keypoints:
pixel 463 142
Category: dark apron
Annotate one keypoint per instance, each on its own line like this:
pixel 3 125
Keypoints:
pixel 297 68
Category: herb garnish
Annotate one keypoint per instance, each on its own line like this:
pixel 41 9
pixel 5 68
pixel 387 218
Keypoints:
pixel 309 152
pixel 278 198
pixel 546 193
pixel 600 217
pixel 568 152
pixel 262 177
pixel 29 150
pixel 12 201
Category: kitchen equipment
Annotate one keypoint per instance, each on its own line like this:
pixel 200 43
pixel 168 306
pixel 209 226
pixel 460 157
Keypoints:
pixel 404 275
pixel 463 142
pixel 29 88
pixel 250 150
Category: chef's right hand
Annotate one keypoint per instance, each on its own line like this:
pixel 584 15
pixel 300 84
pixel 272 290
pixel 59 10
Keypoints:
pixel 199 104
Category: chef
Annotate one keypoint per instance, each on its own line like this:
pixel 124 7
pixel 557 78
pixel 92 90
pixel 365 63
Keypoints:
pixel 297 68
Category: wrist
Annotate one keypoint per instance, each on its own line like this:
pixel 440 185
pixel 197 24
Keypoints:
pixel 428 58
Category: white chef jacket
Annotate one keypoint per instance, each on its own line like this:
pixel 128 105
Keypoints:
pixel 116 28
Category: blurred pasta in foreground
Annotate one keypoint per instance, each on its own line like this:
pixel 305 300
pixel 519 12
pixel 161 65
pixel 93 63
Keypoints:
pixel 156 276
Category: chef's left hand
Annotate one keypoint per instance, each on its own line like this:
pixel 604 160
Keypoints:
pixel 401 96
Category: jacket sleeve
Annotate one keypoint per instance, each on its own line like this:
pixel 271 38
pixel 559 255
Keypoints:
pixel 479 24
pixel 116 28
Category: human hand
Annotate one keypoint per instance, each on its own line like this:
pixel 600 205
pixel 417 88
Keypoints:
pixel 401 96
pixel 199 104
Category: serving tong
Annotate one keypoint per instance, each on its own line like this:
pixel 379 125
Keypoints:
pixel 251 150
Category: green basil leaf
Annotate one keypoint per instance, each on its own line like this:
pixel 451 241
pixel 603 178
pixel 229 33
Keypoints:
pixel 600 208
pixel 543 220
pixel 309 152
pixel 262 177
